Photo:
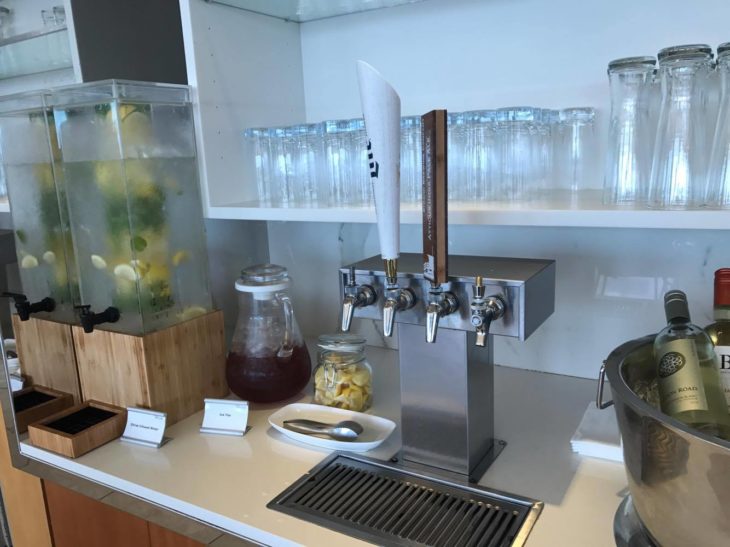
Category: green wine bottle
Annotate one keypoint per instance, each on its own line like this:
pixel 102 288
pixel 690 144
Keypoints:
pixel 689 382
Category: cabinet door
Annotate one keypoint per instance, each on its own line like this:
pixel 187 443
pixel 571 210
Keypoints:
pixel 162 537
pixel 24 505
pixel 78 521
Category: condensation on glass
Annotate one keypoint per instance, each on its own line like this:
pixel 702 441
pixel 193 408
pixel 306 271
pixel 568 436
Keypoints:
pixel 31 167
pixel 131 178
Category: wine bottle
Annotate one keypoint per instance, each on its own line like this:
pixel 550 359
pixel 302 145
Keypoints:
pixel 719 331
pixel 689 382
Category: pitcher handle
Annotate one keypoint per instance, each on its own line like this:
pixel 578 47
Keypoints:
pixel 287 345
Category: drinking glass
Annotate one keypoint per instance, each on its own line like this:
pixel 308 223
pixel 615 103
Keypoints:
pixel 411 159
pixel 59 15
pixel 345 145
pixel 256 143
pixel 517 137
pixel 545 133
pixel 303 147
pixel 630 131
pixel 681 149
pixel 456 143
pixel 483 156
pixel 718 180
pixel 278 163
pixel 576 149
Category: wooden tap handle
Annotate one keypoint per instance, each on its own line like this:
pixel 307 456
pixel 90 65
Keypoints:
pixel 435 195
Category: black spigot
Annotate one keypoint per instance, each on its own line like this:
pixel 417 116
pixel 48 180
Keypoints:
pixel 25 308
pixel 89 319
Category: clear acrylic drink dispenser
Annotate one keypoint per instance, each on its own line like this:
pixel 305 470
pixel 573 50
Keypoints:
pixel 131 172
pixel 31 165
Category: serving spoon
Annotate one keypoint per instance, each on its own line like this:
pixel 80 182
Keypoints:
pixel 346 430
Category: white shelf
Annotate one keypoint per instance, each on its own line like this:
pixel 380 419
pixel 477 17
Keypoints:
pixel 35 52
pixel 589 212
pixel 301 11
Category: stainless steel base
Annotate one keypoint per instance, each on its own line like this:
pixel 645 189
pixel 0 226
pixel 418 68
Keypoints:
pixel 472 478
pixel 628 531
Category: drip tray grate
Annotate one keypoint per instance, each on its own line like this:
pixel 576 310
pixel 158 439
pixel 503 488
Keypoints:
pixel 387 505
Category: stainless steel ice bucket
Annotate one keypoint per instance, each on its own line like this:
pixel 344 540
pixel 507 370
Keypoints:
pixel 679 479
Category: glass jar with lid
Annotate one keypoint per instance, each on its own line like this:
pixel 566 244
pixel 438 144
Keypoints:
pixel 343 377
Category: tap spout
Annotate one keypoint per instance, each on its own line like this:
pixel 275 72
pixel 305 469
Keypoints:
pixel 396 300
pixel 440 303
pixel 484 311
pixel 355 297
pixel 90 319
pixel 348 310
pixel 26 308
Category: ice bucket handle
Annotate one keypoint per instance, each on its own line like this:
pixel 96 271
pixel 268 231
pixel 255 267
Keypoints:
pixel 599 394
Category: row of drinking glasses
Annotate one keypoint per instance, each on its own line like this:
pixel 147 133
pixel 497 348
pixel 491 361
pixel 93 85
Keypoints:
pixel 311 165
pixel 669 131
pixel 510 154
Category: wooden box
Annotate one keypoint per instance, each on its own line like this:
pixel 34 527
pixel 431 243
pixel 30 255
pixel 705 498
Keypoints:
pixel 37 402
pixel 171 370
pixel 79 429
pixel 46 352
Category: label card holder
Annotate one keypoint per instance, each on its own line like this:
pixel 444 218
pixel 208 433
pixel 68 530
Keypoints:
pixel 145 427
pixel 225 417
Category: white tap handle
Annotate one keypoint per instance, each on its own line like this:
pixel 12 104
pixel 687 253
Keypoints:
pixel 381 110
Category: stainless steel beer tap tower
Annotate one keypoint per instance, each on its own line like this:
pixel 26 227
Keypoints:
pixel 447 375
pixel 447 387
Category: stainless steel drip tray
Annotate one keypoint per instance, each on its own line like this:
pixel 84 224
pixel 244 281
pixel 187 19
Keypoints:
pixel 388 505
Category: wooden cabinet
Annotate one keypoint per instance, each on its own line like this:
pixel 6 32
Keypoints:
pixel 162 537
pixel 79 521
pixel 24 505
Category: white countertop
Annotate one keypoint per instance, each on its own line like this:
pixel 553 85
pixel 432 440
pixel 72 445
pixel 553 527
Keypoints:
pixel 227 481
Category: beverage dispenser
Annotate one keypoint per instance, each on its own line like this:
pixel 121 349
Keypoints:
pixel 131 171
pixel 31 163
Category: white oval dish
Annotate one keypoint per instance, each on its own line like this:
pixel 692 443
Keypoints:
pixel 376 429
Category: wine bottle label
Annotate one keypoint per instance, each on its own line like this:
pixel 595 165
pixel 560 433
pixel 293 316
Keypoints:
pixel 723 364
pixel 680 379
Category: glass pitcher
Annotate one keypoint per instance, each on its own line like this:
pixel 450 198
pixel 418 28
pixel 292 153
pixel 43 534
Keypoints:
pixel 268 361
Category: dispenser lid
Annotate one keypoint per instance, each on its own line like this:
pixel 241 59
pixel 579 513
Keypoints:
pixel 263 278
pixel 350 343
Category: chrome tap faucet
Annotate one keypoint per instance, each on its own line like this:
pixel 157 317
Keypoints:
pixel 396 299
pixel 355 297
pixel 484 311
pixel 440 303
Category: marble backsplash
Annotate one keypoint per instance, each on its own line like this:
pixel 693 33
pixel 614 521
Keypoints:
pixel 610 282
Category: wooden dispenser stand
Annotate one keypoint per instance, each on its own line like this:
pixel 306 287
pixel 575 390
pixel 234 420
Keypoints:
pixel 171 370
pixel 46 352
